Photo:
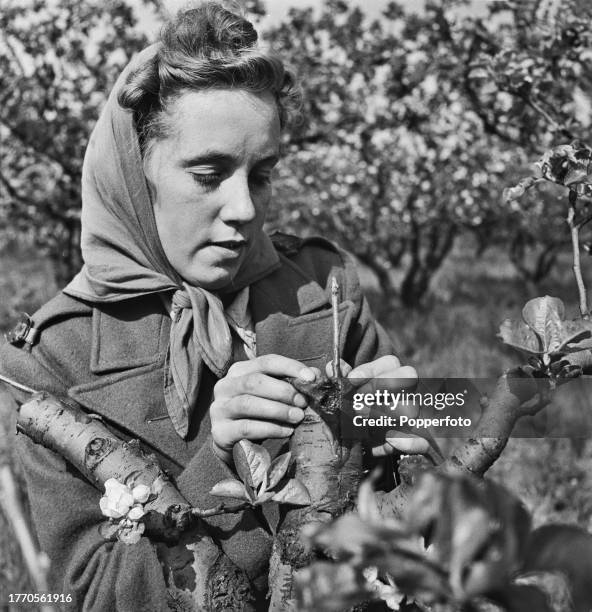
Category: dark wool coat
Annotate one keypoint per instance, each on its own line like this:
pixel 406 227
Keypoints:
pixel 109 359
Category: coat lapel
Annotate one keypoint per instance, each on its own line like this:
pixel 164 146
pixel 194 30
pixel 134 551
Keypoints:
pixel 133 401
pixel 128 347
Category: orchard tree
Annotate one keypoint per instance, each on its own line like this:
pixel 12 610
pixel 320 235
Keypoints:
pixel 529 83
pixel 58 62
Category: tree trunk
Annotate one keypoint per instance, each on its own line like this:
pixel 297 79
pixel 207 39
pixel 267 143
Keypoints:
pixel 429 248
pixel 330 466
pixel 66 256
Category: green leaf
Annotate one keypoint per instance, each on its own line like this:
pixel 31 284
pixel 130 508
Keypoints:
pixel 544 332
pixel 272 514
pixel 349 536
pixel 518 335
pixel 527 597
pixel 367 503
pixel 131 534
pixel 330 587
pixel 568 165
pixel 157 486
pixel 109 530
pixel 414 575
pixel 565 549
pixel 577 335
pixel 251 462
pixel 544 316
pixel 478 531
pixel 513 193
pixel 278 468
pixel 293 492
pixel 263 497
pixel 263 485
pixel 230 488
pixel 540 591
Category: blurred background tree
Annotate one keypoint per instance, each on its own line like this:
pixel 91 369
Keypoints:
pixel 413 124
pixel 57 63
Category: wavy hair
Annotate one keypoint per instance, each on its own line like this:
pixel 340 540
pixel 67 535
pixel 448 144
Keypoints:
pixel 202 48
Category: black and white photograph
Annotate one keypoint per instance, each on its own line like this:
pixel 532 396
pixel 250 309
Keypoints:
pixel 295 305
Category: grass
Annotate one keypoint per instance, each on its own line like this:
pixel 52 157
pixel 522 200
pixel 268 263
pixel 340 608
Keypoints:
pixel 453 334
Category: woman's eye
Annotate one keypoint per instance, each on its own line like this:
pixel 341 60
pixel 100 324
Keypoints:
pixel 207 180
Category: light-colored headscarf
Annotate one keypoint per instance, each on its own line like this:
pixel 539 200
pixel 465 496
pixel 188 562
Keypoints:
pixel 123 257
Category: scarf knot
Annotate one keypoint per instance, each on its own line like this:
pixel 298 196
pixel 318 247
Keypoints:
pixel 180 301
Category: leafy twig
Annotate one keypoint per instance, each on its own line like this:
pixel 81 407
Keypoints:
pixel 335 307
pixel 575 243
pixel 552 121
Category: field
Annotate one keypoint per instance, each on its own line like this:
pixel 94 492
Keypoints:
pixel 452 335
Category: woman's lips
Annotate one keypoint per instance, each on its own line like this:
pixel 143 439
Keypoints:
pixel 229 248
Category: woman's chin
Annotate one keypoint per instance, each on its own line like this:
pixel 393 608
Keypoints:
pixel 213 278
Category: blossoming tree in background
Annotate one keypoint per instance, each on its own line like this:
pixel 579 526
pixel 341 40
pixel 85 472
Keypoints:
pixel 413 125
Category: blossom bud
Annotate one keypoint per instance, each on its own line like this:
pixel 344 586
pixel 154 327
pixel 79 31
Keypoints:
pixel 136 513
pixel 141 493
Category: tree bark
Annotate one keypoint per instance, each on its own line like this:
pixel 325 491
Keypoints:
pixel 330 466
pixel 100 455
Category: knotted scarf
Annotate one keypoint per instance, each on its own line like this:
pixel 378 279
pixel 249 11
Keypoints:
pixel 123 257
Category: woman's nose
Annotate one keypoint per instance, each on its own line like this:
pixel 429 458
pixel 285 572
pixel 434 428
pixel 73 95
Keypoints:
pixel 238 207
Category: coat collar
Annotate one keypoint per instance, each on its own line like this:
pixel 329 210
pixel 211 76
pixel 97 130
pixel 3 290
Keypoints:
pixel 288 290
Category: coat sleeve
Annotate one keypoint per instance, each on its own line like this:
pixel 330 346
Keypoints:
pixel 98 574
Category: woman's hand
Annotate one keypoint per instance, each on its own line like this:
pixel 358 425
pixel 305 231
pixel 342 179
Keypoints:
pixel 393 377
pixel 252 402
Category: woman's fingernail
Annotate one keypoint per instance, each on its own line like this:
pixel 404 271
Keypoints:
pixel 306 374
pixel 357 374
pixel 287 431
pixel 295 415
pixel 300 400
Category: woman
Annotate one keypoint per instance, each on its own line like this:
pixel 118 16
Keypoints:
pixel 186 319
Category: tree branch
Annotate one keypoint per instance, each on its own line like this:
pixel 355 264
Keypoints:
pixel 12 192
pixel 575 242
pixel 551 120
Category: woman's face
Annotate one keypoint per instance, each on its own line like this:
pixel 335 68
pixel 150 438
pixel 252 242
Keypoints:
pixel 210 181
